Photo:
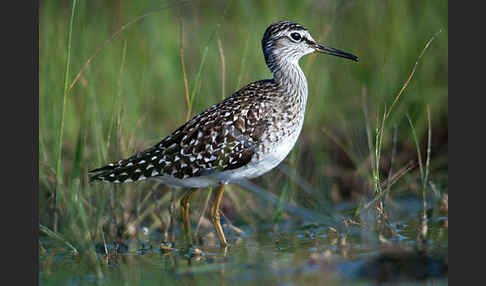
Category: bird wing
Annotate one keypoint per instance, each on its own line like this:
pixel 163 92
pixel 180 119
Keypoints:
pixel 225 136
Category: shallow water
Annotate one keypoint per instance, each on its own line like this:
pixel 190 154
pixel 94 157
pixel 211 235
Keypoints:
pixel 282 254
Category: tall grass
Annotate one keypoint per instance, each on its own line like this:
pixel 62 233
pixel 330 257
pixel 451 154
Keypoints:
pixel 136 82
pixel 379 135
pixel 59 165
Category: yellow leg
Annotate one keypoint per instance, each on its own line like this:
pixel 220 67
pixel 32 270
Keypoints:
pixel 215 216
pixel 185 204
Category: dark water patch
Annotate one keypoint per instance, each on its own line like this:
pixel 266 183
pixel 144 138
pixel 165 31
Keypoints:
pixel 276 254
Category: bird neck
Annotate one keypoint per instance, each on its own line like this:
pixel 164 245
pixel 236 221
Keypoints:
pixel 286 71
pixel 288 75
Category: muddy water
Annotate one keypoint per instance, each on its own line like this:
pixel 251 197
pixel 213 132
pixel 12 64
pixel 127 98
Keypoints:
pixel 282 255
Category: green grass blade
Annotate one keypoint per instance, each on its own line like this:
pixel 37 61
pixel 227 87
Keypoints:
pixel 282 198
pixel 429 144
pixel 57 236
pixel 66 82
pixel 417 145
pixel 413 71
pixel 76 170
pixel 242 65
pixel 199 72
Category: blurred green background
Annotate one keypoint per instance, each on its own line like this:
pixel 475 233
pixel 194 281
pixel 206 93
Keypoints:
pixel 132 94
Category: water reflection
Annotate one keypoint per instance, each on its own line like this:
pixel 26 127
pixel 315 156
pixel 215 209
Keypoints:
pixel 287 255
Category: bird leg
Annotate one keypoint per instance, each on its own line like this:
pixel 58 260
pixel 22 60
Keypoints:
pixel 185 204
pixel 215 218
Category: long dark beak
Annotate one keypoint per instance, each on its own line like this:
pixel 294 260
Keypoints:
pixel 334 52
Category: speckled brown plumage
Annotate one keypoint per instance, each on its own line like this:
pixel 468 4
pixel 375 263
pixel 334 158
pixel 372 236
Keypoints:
pixel 244 136
pixel 225 136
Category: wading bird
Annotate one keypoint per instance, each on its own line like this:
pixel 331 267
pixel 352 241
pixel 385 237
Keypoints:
pixel 242 137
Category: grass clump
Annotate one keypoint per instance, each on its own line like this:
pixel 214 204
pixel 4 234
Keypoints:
pixel 134 64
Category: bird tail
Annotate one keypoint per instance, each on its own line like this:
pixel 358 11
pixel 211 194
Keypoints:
pixel 138 167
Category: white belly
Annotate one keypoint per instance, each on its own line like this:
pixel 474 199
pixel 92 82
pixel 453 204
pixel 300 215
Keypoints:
pixel 255 168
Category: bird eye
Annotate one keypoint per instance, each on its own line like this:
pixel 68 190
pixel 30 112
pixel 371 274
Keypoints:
pixel 296 36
